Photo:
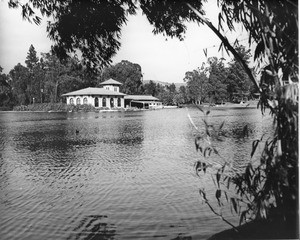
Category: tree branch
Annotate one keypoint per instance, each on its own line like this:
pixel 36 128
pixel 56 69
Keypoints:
pixel 227 45
pixel 217 214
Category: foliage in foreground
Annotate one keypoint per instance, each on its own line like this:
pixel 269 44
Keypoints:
pixel 268 189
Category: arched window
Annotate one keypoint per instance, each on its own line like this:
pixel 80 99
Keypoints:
pixel 119 102
pixel 85 100
pixel 104 102
pixel 111 102
pixel 96 102
pixel 77 101
pixel 71 101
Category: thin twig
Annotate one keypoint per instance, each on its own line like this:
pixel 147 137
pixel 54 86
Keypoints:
pixel 219 215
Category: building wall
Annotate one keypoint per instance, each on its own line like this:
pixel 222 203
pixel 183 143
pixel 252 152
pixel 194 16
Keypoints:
pixel 112 88
pixel 143 104
pixel 75 100
pixel 154 105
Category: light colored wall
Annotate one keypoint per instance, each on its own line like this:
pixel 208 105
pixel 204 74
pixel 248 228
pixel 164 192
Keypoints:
pixel 112 88
pixel 91 100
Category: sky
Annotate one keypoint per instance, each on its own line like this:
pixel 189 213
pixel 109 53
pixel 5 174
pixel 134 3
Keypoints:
pixel 161 58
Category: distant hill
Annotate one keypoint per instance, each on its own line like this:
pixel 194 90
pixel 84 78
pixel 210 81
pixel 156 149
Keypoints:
pixel 178 85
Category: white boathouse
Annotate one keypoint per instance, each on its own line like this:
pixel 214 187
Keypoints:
pixel 143 101
pixel 108 96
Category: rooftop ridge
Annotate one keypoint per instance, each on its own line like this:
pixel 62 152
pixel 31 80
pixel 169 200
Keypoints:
pixel 110 82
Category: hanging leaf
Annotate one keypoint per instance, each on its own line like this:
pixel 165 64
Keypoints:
pixel 215 151
pixel 206 124
pixel 225 193
pixel 205 52
pixel 254 146
pixel 198 166
pixel 218 194
pixel 248 175
pixel 197 139
pixel 236 42
pixel 207 152
pixel 228 182
pixel 234 204
pixel 221 19
pixel 204 167
pixel 218 176
pixel 262 211
pixel 260 48
pixel 243 217
pixel 37 20
pixel 223 167
pixel 207 132
pixel 220 47
pixel 213 180
pixel 202 194
pixel 204 153
pixel 222 124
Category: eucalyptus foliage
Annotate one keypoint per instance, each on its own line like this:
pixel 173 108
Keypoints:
pixel 94 26
pixel 128 73
pixel 273 25
pixel 269 189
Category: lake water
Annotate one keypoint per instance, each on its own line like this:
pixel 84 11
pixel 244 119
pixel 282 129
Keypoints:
pixel 118 175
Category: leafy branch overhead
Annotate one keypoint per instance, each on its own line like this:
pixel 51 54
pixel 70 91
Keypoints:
pixel 94 27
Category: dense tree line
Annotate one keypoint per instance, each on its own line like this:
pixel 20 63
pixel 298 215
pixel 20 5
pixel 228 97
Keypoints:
pixel 45 79
pixel 214 82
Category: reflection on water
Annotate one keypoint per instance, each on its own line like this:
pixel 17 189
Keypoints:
pixel 112 175
pixel 93 227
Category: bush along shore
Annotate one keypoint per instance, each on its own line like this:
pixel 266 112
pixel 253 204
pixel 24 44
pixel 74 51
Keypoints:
pixel 55 107
pixel 63 107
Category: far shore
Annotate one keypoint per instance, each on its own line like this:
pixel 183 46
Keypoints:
pixel 63 107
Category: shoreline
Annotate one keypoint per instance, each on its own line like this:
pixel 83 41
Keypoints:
pixel 63 107
pixel 261 229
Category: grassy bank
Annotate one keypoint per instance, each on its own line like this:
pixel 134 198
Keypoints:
pixel 55 107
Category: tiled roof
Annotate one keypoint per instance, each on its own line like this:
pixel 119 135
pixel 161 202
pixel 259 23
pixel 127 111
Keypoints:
pixel 93 91
pixel 110 82
pixel 141 97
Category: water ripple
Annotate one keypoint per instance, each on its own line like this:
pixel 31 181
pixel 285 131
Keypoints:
pixel 112 176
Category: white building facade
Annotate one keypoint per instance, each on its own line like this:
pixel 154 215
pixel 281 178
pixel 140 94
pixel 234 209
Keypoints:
pixel 143 101
pixel 106 97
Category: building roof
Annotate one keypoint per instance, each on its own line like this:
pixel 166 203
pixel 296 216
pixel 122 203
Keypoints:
pixel 93 91
pixel 141 98
pixel 110 82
